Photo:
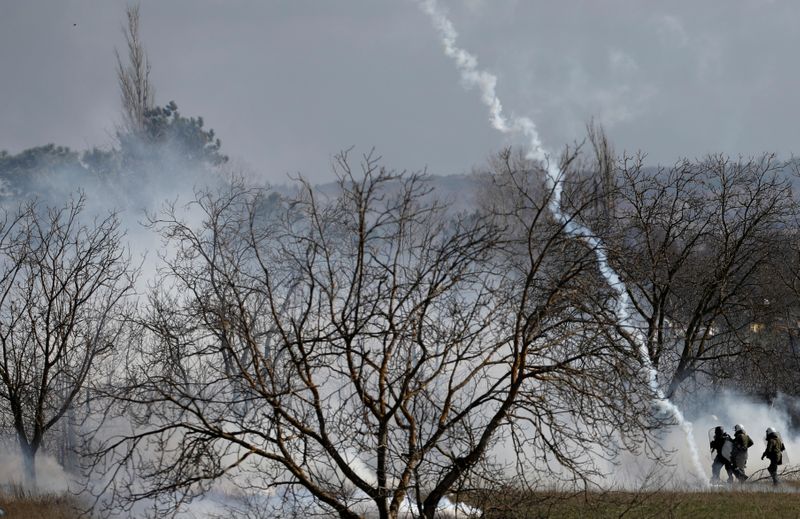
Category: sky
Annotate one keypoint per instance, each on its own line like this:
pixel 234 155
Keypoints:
pixel 286 84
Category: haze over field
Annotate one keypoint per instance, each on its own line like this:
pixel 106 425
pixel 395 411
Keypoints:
pixel 207 306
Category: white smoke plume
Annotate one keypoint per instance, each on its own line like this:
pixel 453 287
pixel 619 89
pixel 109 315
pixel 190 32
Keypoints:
pixel 718 409
pixel 486 82
pixel 52 478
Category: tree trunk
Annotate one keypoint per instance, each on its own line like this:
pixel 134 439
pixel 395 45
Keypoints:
pixel 28 464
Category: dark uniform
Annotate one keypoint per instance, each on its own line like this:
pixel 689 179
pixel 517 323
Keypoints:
pixel 720 437
pixel 741 442
pixel 773 453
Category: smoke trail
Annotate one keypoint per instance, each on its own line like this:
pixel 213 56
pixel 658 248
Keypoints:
pixel 486 82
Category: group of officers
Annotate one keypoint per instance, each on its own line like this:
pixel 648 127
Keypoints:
pixel 734 457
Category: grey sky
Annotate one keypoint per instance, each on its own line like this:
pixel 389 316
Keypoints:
pixel 286 84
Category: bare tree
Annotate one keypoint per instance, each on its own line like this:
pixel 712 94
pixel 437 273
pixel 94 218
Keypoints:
pixel 367 350
pixel 776 314
pixel 133 75
pixel 61 284
pixel 691 242
pixel 604 172
pixel 588 371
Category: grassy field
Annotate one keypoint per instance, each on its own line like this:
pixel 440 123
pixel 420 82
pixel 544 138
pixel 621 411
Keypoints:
pixel 751 501
pixel 738 502
pixel 38 507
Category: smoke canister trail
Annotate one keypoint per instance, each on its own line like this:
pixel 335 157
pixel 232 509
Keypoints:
pixel 486 82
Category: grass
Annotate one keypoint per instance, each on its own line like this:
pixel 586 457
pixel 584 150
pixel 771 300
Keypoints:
pixel 18 503
pixel 738 502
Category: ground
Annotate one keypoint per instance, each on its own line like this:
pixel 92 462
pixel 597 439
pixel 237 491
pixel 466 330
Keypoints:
pixel 39 507
pixel 739 502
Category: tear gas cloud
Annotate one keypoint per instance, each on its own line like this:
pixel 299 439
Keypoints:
pixel 133 194
pixel 708 411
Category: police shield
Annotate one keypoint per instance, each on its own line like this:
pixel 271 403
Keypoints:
pixel 727 447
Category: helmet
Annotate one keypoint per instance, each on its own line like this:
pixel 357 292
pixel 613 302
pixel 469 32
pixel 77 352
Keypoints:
pixel 738 427
pixel 770 430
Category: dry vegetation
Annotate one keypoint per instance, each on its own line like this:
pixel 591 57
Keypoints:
pixel 741 502
pixel 19 504
pixel 756 500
